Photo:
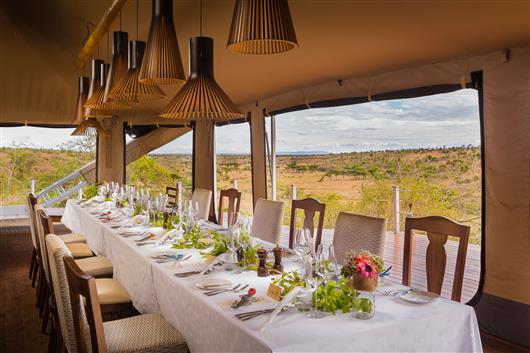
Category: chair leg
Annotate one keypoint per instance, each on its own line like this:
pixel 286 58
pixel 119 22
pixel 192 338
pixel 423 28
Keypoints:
pixel 44 296
pixel 32 263
pixel 40 290
pixel 46 314
pixel 35 273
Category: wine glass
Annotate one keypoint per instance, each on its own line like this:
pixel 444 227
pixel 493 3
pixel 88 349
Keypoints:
pixel 301 246
pixel 233 244
pixel 312 283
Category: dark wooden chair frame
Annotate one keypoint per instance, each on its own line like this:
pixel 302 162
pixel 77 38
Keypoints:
pixel 172 193
pixel 310 206
pixel 234 202
pixel 83 284
pixel 438 229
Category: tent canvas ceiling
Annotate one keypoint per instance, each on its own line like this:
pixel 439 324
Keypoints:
pixel 338 40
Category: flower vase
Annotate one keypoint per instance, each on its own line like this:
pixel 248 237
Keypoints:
pixel 364 303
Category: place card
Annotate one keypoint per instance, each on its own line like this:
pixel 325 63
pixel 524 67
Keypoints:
pixel 274 292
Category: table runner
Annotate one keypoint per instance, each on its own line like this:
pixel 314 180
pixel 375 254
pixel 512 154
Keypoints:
pixel 209 326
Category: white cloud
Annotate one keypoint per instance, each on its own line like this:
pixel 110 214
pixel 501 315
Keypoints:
pixel 450 119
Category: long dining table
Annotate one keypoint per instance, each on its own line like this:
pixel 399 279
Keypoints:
pixel 209 323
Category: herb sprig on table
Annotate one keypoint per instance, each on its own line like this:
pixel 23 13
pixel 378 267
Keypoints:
pixel 193 238
pixel 287 281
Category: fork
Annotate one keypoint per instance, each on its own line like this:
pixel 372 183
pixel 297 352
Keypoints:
pixel 215 292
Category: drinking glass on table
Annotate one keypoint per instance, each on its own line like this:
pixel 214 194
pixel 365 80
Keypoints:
pixel 312 267
pixel 301 246
pixel 233 243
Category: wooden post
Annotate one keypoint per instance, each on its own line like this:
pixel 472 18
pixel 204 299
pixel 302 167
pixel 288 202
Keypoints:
pixel 395 208
pixel 293 192
pixel 234 184
pixel 273 157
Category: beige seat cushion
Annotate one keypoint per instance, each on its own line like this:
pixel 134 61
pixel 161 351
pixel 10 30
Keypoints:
pixel 95 266
pixel 73 238
pixel 79 250
pixel 143 333
pixel 110 291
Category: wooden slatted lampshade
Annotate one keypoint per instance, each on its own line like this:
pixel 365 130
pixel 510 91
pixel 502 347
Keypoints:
pixel 82 95
pixel 162 63
pixel 262 27
pixel 129 89
pixel 118 67
pixel 201 97
pixel 96 107
pixel 89 127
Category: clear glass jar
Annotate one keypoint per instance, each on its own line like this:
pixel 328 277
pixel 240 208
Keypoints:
pixel 364 305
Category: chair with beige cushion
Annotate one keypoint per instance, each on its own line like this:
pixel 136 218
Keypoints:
pixel 267 221
pixel 95 265
pixel 357 232
pixel 74 242
pixel 142 333
pixel 203 198
pixel 35 256
pixel 112 296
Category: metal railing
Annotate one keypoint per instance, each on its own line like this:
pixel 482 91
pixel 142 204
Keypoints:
pixel 61 189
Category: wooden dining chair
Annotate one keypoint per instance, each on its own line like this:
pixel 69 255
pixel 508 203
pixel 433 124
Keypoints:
pixel 141 333
pixel 34 263
pixel 355 232
pixel 310 206
pixel 234 202
pixel 172 196
pixel 267 221
pixel 438 229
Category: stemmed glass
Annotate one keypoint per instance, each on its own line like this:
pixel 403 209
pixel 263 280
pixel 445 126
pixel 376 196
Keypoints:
pixel 312 282
pixel 233 243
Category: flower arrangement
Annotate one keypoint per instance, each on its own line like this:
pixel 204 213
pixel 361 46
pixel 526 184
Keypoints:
pixel 363 268
pixel 363 263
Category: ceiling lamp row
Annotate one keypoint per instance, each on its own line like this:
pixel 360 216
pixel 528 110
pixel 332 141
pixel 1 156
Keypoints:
pixel 258 27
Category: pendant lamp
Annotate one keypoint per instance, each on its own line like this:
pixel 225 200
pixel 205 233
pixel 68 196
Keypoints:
pixel 162 63
pixel 262 27
pixel 129 89
pixel 96 107
pixel 118 66
pixel 201 97
pixel 89 127
pixel 82 95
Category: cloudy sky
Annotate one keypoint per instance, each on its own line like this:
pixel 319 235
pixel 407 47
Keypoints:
pixel 450 119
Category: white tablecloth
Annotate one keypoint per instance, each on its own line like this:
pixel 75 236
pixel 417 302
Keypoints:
pixel 210 326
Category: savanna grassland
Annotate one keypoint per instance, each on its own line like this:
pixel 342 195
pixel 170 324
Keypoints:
pixel 444 181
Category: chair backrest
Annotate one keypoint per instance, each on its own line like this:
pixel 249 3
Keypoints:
pixel 32 202
pixel 44 227
pixel 57 250
pixel 234 202
pixel 203 198
pixel 438 229
pixel 310 206
pixel 357 232
pixel 172 196
pixel 267 221
pixel 82 284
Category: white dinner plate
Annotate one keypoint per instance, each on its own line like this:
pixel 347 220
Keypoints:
pixel 213 283
pixel 418 296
